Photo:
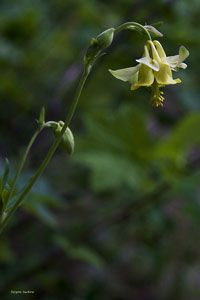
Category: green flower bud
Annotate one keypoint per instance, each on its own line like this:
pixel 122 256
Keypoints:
pixel 105 38
pixel 92 52
pixel 67 141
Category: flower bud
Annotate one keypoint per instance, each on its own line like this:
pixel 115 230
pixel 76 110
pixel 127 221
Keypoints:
pixel 92 52
pixel 67 141
pixel 105 38
pixel 153 31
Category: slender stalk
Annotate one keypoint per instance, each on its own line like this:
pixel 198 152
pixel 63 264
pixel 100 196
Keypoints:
pixel 51 151
pixel 127 24
pixel 21 165
pixel 49 123
pixel 88 66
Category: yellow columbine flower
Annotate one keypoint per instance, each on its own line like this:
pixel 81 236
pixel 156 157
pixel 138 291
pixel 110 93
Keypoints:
pixel 155 71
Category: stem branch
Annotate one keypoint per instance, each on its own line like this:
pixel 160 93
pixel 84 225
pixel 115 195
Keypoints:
pixel 53 148
pixel 51 151
pixel 22 163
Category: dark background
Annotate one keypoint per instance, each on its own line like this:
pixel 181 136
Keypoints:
pixel 120 219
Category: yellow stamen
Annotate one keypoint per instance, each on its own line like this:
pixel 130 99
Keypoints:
pixel 156 97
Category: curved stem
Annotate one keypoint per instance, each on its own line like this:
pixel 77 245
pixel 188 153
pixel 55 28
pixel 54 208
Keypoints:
pixel 127 24
pixel 51 151
pixel 59 137
pixel 49 123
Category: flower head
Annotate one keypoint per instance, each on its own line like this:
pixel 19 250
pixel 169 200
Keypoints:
pixel 154 70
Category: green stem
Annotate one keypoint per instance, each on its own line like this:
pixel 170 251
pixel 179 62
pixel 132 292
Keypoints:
pixel 22 163
pixel 49 123
pixel 51 151
pixel 58 139
pixel 127 24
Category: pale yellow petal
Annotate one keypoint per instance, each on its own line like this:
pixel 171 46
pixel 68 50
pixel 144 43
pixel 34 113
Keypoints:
pixel 183 54
pixel 124 74
pixel 160 49
pixel 145 77
pixel 151 63
pixel 154 52
pixel 164 75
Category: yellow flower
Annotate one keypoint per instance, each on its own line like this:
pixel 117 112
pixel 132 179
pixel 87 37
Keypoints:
pixel 153 71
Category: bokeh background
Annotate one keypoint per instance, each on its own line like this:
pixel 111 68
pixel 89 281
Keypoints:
pixel 120 219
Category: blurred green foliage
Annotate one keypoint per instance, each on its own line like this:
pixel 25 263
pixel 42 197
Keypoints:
pixel 120 219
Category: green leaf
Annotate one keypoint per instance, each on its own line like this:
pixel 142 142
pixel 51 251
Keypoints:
pixel 4 196
pixel 82 253
pixel 184 137
pixel 111 170
pixel 41 211
pixel 39 201
pixel 42 117
pixel 115 149
pixel 5 175
pixel 7 254
pixel 158 24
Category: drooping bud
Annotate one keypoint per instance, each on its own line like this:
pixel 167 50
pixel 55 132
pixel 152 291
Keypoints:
pixel 67 141
pixel 153 31
pixel 92 53
pixel 103 41
pixel 105 38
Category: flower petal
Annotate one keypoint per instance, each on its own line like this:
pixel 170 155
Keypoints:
pixel 160 49
pixel 183 65
pixel 183 54
pixel 145 77
pixel 151 63
pixel 173 60
pixel 124 74
pixel 164 75
pixel 154 52
pixel 176 61
pixel 148 61
pixel 133 79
